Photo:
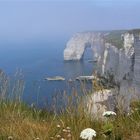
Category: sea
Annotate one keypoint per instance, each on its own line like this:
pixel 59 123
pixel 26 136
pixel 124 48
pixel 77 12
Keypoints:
pixel 41 59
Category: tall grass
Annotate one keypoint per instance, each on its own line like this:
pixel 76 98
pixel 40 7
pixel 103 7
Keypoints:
pixel 21 122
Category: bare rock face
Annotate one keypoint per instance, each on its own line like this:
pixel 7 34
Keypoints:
pixel 101 101
pixel 110 59
pixel 128 44
pixel 119 62
pixel 123 63
pixel 136 78
pixel 79 42
pixel 126 58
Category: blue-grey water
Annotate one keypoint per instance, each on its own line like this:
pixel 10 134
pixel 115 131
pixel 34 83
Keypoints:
pixel 39 59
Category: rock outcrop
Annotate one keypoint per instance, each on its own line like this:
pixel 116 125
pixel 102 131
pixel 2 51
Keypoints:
pixel 101 101
pixel 110 59
pixel 136 78
pixel 126 56
pixel 79 42
pixel 119 62
pixel 123 63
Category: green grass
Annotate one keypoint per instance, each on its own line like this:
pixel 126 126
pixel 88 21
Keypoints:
pixel 134 31
pixel 114 37
pixel 21 122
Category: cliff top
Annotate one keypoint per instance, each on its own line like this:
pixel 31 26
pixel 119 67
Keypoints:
pixel 115 38
pixel 134 31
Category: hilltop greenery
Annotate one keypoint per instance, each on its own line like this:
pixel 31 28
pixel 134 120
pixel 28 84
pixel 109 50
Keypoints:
pixel 115 38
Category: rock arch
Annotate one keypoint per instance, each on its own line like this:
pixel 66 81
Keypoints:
pixel 77 45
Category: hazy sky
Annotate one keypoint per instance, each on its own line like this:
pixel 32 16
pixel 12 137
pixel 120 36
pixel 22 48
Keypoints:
pixel 32 19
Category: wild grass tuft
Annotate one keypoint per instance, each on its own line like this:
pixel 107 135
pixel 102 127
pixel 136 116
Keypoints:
pixel 21 122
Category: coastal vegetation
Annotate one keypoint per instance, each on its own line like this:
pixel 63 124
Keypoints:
pixel 115 38
pixel 19 121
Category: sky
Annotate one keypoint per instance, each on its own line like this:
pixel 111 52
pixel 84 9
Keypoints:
pixel 47 19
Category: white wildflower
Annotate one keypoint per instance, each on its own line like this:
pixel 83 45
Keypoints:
pixel 68 131
pixel 58 126
pixel 109 113
pixel 58 136
pixel 10 138
pixel 68 128
pixel 64 130
pixel 88 134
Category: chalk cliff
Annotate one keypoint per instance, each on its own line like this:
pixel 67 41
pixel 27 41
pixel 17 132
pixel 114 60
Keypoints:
pixel 79 42
pixel 119 62
pixel 123 63
pixel 100 102
pixel 111 59
pixel 136 78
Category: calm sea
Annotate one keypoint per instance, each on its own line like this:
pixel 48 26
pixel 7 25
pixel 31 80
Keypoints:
pixel 39 59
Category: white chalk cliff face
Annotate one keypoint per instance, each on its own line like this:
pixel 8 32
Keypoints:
pixel 123 63
pixel 119 62
pixel 126 55
pixel 136 78
pixel 110 59
pixel 128 44
pixel 79 42
pixel 100 102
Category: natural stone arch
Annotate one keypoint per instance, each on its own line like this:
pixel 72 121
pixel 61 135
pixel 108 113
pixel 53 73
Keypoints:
pixel 77 45
pixel 88 52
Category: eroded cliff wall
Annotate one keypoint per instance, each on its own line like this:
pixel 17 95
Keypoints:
pixel 136 78
pixel 111 59
pixel 79 42
pixel 119 62
pixel 123 63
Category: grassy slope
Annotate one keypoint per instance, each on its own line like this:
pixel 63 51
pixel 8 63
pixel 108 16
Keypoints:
pixel 24 123
pixel 114 37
